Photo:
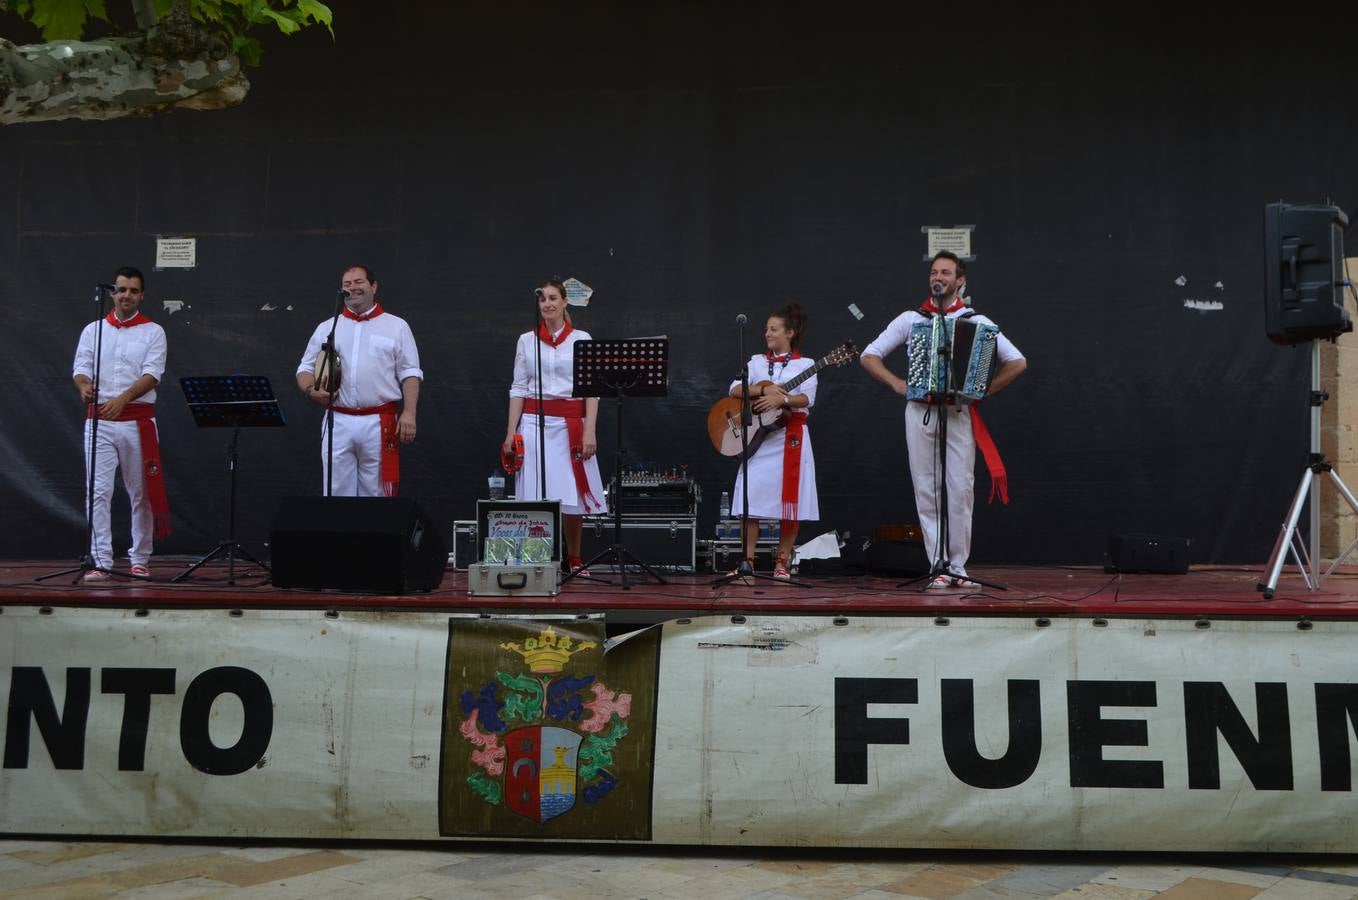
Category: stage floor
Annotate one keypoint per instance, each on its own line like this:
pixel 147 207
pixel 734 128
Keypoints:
pixel 1216 591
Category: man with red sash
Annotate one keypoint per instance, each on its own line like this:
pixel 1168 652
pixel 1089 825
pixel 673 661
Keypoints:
pixel 132 361
pixel 966 431
pixel 379 389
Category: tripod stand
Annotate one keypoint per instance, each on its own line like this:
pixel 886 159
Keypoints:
pixel 230 401
pixel 633 368
pixel 1306 554
pixel 87 560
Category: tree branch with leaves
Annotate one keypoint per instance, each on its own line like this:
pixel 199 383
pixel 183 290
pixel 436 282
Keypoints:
pixel 183 54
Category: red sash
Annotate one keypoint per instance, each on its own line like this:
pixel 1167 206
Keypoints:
pixel 999 478
pixel 792 464
pixel 152 475
pixel 389 465
pixel 573 411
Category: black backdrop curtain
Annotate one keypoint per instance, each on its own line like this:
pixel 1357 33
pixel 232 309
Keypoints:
pixel 690 162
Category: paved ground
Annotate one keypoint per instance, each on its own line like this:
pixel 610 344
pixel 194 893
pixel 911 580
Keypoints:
pixel 70 870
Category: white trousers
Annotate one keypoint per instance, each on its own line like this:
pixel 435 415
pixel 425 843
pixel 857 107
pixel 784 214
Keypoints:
pixel 922 447
pixel 358 456
pixel 119 447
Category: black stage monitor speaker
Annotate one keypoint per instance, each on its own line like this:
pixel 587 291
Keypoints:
pixel 381 545
pixel 1152 553
pixel 896 558
pixel 1304 272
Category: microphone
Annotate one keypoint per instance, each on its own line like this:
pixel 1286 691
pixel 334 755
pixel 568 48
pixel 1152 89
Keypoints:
pixel 344 295
pixel 937 288
pixel 740 319
pixel 537 292
pixel 104 286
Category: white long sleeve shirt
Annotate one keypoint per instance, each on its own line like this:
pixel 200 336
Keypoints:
pixel 126 353
pixel 376 355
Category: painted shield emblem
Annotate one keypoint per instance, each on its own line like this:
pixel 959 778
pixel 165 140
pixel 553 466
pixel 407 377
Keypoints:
pixel 541 763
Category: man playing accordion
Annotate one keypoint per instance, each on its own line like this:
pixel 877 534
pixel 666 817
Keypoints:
pixel 965 430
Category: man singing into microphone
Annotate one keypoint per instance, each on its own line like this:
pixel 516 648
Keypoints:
pixel 379 388
pixel 965 430
pixel 131 363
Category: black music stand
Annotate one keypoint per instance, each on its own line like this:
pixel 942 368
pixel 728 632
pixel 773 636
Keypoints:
pixel 230 401
pixel 636 367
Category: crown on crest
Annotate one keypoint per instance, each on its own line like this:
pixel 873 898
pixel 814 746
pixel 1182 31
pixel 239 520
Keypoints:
pixel 548 653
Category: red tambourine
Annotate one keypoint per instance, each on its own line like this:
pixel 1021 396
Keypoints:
pixel 512 461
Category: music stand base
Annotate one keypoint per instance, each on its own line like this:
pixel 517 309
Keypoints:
pixel 230 549
pixel 941 568
pixel 86 566
pixel 746 570
pixel 620 557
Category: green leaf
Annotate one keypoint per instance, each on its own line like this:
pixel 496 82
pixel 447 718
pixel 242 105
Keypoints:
pixel 62 20
pixel 286 23
pixel 248 49
pixel 318 13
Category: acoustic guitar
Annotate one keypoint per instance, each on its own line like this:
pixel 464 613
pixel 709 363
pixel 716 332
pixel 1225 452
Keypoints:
pixel 723 419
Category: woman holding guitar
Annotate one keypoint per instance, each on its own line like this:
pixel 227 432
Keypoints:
pixel 572 471
pixel 783 468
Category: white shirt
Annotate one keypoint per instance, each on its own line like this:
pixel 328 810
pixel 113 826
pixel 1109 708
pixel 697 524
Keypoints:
pixel 126 354
pixel 558 366
pixel 898 333
pixel 376 355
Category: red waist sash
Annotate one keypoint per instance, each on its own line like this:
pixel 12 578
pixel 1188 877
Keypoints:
pixel 792 464
pixel 152 474
pixel 573 411
pixel 389 465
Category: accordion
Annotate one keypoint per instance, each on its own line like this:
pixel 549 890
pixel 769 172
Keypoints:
pixel 962 371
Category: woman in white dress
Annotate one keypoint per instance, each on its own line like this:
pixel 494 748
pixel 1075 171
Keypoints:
pixel 783 468
pixel 572 471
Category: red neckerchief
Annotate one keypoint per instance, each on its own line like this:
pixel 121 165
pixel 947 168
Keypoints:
pixel 547 338
pixel 929 307
pixel 363 317
pixel 138 319
pixel 782 357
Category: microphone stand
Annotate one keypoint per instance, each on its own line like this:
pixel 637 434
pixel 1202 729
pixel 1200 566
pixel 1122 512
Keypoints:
pixel 538 323
pixel 331 358
pixel 87 561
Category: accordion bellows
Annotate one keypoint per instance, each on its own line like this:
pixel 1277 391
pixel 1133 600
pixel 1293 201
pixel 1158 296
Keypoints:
pixel 951 359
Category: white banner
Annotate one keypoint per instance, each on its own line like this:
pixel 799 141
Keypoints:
pixel 984 732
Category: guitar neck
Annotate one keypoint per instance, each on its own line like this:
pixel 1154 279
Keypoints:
pixel 793 382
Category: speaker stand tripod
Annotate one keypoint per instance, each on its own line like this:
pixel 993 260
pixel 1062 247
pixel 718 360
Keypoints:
pixel 1306 553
